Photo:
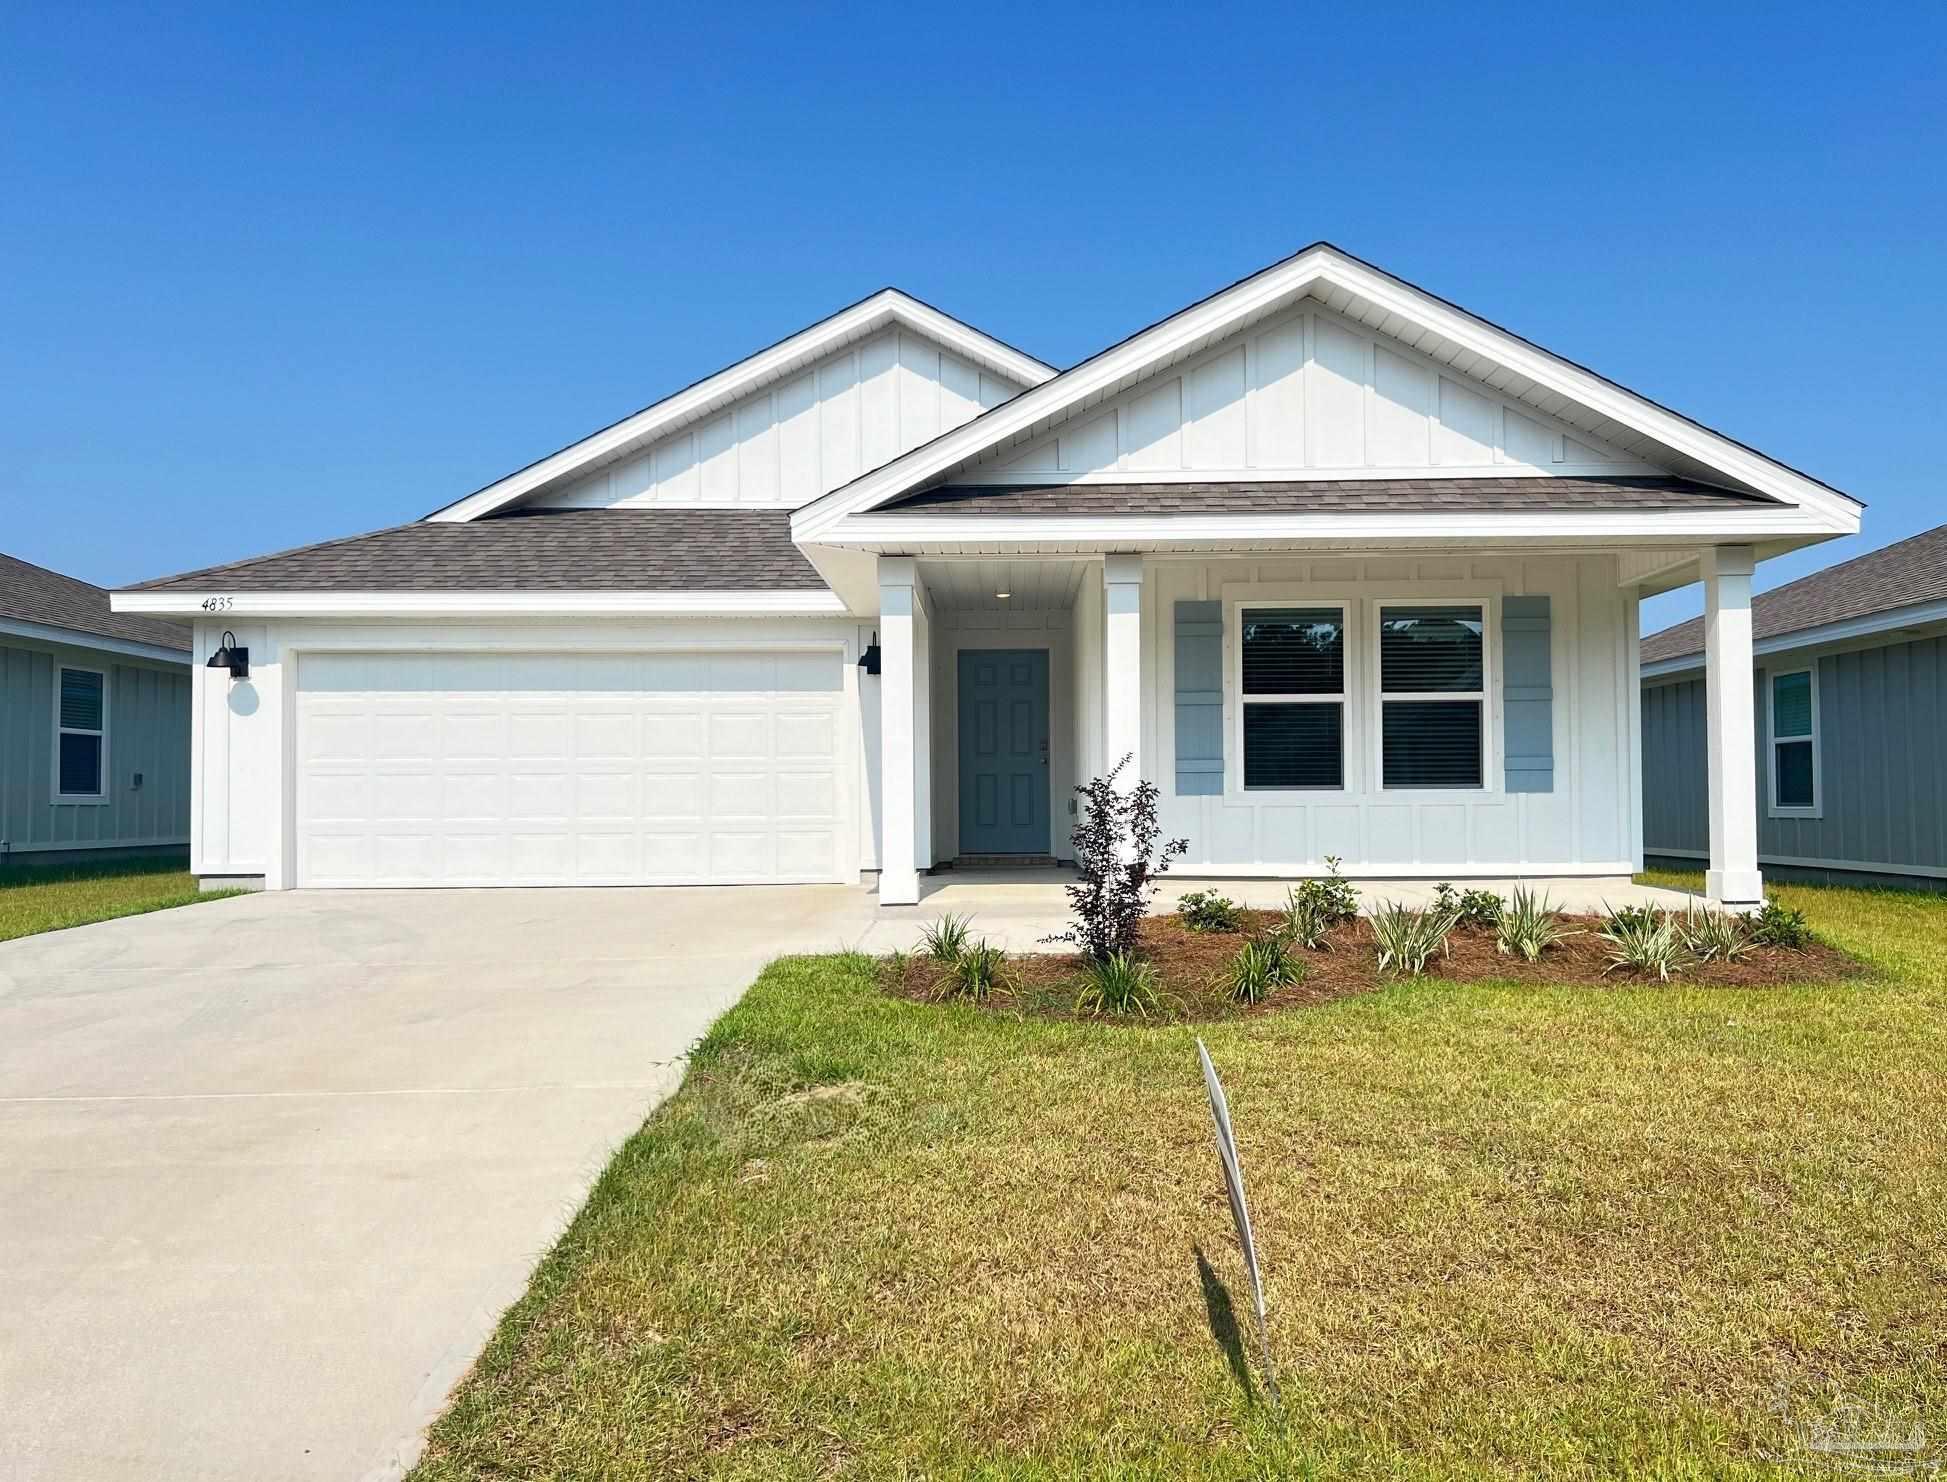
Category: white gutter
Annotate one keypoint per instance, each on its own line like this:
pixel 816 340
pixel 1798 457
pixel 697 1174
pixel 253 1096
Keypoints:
pixel 217 605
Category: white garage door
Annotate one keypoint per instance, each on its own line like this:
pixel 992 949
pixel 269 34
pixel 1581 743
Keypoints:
pixel 567 769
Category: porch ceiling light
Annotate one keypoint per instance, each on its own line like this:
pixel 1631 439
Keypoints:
pixel 1003 595
pixel 232 656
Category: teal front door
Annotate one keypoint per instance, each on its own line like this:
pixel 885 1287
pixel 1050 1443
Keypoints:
pixel 1004 751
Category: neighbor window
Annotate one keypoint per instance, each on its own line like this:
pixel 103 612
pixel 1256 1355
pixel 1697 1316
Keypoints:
pixel 1433 691
pixel 1293 696
pixel 81 726
pixel 1794 742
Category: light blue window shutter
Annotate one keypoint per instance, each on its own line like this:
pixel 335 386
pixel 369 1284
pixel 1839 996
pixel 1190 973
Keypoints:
pixel 1199 699
pixel 1526 694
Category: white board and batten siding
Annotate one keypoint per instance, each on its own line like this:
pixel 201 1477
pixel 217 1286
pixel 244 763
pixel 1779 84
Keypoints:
pixel 1308 394
pixel 1585 825
pixel 784 446
pixel 643 752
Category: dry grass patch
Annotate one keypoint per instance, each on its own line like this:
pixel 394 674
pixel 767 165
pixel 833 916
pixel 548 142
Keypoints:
pixel 36 899
pixel 1508 1230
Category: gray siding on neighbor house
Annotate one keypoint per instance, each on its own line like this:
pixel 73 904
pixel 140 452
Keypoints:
pixel 1882 726
pixel 148 732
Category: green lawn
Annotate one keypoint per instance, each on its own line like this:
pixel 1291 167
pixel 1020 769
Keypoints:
pixel 1530 1232
pixel 34 899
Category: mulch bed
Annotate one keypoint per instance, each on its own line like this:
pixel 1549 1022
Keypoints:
pixel 1193 967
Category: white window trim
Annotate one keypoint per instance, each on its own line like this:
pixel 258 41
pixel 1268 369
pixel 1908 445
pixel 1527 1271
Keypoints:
pixel 84 799
pixel 1491 775
pixel 1345 609
pixel 1772 741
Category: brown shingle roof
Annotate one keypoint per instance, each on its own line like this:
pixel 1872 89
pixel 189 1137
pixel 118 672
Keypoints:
pixel 1902 575
pixel 559 550
pixel 1322 496
pixel 33 594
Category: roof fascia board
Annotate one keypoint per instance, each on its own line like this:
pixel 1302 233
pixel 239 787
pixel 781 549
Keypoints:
pixel 1657 527
pixel 1298 275
pixel 1846 630
pixel 80 638
pixel 480 604
pixel 888 306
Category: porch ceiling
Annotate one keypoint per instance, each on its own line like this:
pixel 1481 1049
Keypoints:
pixel 976 585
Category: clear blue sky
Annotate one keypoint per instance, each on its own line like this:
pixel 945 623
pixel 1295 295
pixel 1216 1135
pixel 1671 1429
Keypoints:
pixel 267 278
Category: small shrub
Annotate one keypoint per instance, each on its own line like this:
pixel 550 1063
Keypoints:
pixel 1306 920
pixel 944 940
pixel 1121 983
pixel 1119 851
pixel 1778 925
pixel 1642 941
pixel 1708 934
pixel 1334 897
pixel 1636 918
pixel 976 975
pixel 1481 908
pixel 1408 939
pixel 1205 910
pixel 1260 967
pixel 1528 925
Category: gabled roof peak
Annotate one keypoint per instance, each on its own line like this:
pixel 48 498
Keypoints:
pixel 867 316
pixel 1389 305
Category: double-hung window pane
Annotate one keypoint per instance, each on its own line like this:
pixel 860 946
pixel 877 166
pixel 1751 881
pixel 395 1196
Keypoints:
pixel 1794 782
pixel 1432 680
pixel 1293 662
pixel 82 712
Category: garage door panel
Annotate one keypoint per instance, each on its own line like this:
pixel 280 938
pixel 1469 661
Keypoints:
pixel 557 769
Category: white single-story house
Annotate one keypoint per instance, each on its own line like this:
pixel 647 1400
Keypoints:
pixel 1346 570
pixel 94 724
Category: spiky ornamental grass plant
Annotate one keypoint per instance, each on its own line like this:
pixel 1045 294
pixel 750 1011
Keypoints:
pixel 1119 852
pixel 1306 920
pixel 976 975
pixel 944 940
pixel 1709 934
pixel 1528 925
pixel 1121 983
pixel 1408 939
pixel 1261 967
pixel 1643 941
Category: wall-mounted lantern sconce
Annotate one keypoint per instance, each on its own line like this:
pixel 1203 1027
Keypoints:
pixel 230 655
pixel 869 660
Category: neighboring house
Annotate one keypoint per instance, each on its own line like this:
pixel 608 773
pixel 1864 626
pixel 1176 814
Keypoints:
pixel 94 723
pixel 1851 737
pixel 1345 569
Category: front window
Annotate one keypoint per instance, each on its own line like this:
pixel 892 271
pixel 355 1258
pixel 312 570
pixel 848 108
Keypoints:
pixel 1794 733
pixel 1433 692
pixel 81 726
pixel 1294 697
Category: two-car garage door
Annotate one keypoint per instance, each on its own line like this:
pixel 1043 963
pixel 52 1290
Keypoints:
pixel 568 769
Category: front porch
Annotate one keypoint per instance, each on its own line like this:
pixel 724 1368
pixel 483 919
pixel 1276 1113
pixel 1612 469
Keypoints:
pixel 1019 909
pixel 1418 716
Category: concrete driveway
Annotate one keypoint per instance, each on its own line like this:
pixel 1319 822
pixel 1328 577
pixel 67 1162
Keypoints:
pixel 270 1168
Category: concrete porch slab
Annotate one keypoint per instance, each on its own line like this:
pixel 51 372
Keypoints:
pixel 1019 909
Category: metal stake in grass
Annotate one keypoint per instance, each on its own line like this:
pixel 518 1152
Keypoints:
pixel 1239 1210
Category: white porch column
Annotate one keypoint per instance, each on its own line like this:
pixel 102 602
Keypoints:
pixel 898 753
pixel 1122 711
pixel 1733 879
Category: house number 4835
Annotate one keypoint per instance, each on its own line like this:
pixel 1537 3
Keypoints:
pixel 217 604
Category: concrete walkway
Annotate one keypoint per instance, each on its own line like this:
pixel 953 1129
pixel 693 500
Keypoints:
pixel 272 1167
